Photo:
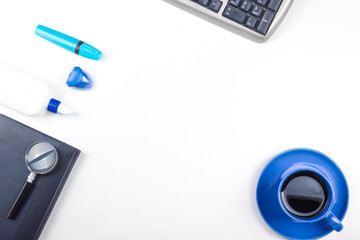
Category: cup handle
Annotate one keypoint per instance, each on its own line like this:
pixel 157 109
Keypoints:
pixel 334 222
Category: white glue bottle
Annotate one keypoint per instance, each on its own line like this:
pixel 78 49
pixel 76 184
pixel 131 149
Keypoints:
pixel 27 94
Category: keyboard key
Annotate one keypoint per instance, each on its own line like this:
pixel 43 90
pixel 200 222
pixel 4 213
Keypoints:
pixel 265 22
pixel 245 5
pixel 274 4
pixel 215 5
pixel 234 3
pixel 256 11
pixel 261 2
pixel 251 22
pixel 234 14
pixel 204 3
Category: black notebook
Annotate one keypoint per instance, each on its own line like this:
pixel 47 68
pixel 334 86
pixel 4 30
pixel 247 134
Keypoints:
pixel 15 138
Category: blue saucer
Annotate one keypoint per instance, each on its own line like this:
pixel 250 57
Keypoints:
pixel 267 193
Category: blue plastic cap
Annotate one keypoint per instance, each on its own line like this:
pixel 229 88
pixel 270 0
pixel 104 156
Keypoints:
pixel 79 79
pixel 53 105
pixel 89 51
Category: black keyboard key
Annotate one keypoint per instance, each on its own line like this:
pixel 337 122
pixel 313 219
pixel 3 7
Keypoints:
pixel 234 3
pixel 274 4
pixel 256 11
pixel 215 5
pixel 251 22
pixel 234 14
pixel 261 2
pixel 265 22
pixel 204 3
pixel 245 5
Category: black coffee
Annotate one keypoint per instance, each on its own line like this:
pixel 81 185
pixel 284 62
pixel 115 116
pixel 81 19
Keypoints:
pixel 304 194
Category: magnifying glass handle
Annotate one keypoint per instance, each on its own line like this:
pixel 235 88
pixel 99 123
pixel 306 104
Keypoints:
pixel 21 196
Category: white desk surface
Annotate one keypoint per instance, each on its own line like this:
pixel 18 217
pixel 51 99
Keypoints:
pixel 184 115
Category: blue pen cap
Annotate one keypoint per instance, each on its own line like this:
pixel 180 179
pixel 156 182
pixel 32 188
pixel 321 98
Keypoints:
pixel 89 51
pixel 53 105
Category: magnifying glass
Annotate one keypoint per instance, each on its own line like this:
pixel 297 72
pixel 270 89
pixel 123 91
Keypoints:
pixel 40 158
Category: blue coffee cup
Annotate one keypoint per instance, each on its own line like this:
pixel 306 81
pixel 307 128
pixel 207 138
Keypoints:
pixel 305 194
pixel 302 194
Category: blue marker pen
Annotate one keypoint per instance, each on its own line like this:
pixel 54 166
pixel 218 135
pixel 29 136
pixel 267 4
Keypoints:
pixel 69 43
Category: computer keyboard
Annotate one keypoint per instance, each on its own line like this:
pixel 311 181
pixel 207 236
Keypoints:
pixel 250 18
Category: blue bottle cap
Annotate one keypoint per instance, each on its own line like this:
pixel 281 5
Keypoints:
pixel 79 79
pixel 53 105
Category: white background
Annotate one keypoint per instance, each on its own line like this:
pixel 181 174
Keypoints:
pixel 184 115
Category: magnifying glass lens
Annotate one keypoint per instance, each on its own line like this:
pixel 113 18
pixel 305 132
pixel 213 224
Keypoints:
pixel 41 158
